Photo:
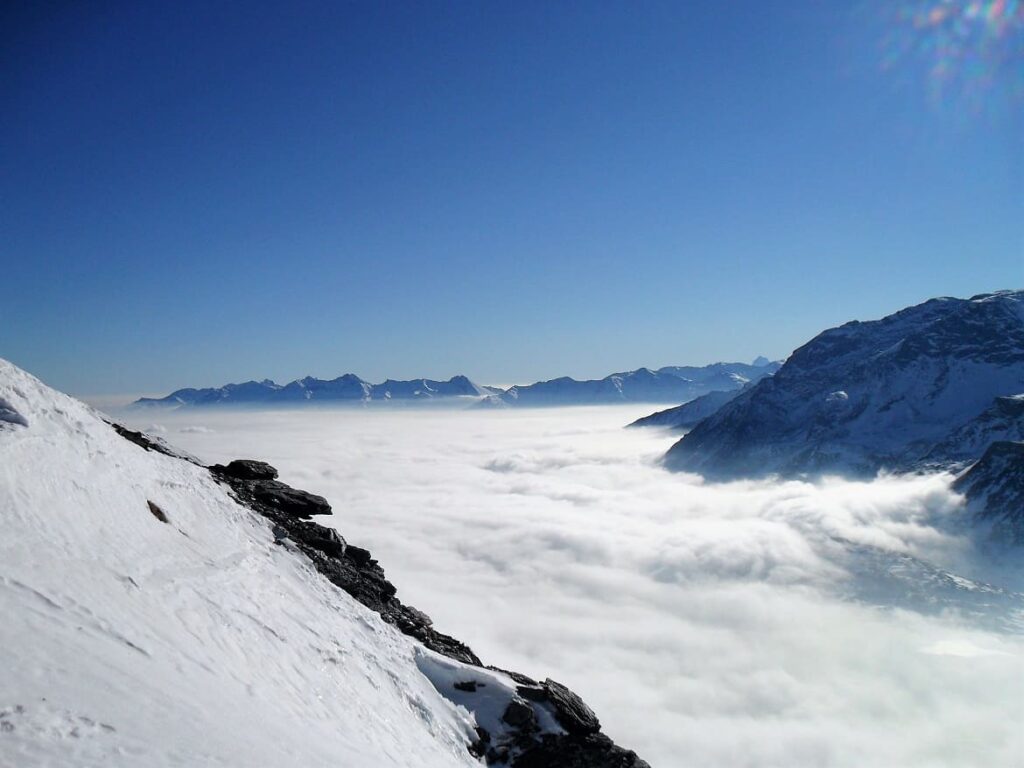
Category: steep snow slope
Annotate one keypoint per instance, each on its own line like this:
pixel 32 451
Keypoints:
pixel 132 641
pixel 869 395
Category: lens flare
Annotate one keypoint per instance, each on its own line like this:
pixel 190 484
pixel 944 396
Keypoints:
pixel 969 49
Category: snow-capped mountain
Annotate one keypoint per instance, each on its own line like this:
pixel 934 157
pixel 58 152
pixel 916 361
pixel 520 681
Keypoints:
pixel 346 388
pixel 158 612
pixel 688 414
pixel 874 395
pixel 671 384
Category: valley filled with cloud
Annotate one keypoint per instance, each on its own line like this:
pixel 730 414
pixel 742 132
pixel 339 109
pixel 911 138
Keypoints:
pixel 746 624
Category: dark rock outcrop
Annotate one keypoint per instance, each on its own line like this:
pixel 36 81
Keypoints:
pixel 570 710
pixel 593 751
pixel 520 715
pixel 351 568
pixel 151 443
pixel 158 513
pixel 254 481
pixel 250 469
pixel 8 415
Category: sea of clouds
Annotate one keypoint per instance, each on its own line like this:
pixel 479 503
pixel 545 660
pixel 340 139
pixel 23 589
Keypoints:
pixel 744 624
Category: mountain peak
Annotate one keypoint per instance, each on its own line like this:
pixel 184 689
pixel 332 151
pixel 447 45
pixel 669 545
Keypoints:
pixel 909 380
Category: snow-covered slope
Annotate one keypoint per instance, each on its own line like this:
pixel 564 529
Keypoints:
pixel 346 388
pixel 871 395
pixel 195 641
pixel 150 618
pixel 688 414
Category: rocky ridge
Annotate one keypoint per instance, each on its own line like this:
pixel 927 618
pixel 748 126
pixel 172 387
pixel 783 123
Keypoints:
pixel 346 388
pixel 521 742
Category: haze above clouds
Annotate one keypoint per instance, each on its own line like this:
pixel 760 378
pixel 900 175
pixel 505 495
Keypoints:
pixel 748 624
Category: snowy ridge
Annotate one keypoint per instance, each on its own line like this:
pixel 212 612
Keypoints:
pixel 1003 420
pixel 874 395
pixel 152 619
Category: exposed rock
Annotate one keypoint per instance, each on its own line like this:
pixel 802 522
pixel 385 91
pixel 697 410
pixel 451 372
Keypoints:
pixel 592 751
pixel 320 537
pixel 354 570
pixel 570 710
pixel 994 488
pixel 250 469
pixel 350 568
pixel 269 492
pixel 479 747
pixel 158 513
pixel 291 501
pixel 330 543
pixel 8 415
pixel 151 443
pixel 520 715
pixel 360 556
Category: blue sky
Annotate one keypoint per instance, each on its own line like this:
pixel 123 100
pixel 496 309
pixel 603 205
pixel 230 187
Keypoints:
pixel 196 193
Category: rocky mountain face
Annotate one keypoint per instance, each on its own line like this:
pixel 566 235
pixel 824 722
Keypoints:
pixel 669 384
pixel 994 489
pixel 346 388
pixel 934 382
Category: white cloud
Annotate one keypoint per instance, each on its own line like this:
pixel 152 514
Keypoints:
pixel 748 624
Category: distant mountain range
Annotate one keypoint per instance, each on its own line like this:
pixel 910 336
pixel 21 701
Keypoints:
pixel 347 388
pixel 670 384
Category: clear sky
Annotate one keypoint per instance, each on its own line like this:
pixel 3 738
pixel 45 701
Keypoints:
pixel 194 193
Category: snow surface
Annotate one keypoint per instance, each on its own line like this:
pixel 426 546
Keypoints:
pixel 196 642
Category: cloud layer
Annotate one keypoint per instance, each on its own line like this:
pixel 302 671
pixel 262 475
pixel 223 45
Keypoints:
pixel 748 624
